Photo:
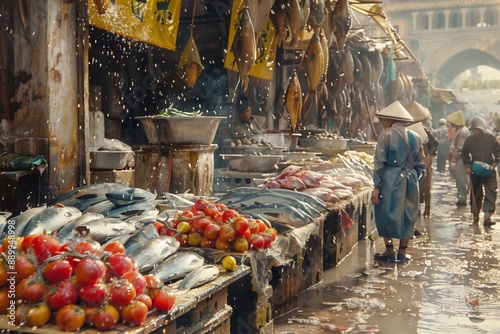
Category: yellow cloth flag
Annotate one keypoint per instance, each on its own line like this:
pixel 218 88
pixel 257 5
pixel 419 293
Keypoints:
pixel 151 21
pixel 266 47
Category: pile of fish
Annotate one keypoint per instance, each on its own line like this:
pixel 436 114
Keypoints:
pixel 276 205
pixel 332 186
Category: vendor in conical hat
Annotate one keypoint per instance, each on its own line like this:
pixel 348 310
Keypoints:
pixel 398 169
pixel 457 121
pixel 421 117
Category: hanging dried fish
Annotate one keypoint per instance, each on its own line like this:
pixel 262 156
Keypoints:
pixel 317 15
pixel 190 67
pixel 259 13
pixel 314 64
pixel 348 66
pixel 277 16
pixel 244 46
pixel 341 22
pixel 328 23
pixel 293 102
pixel 305 8
pixel 293 21
pixel 326 53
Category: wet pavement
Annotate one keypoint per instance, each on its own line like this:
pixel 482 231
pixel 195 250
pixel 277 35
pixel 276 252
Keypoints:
pixel 450 284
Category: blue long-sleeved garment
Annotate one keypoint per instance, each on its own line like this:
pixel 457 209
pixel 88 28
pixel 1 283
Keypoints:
pixel 399 168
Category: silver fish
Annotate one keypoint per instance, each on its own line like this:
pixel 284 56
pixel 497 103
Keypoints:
pixel 198 277
pixel 21 220
pixel 51 219
pixel 86 196
pixel 66 232
pixel 103 229
pixel 177 200
pixel 3 220
pixel 140 237
pixel 136 209
pixel 121 239
pixel 154 251
pixel 270 197
pixel 282 213
pixel 311 200
pixel 177 266
pixel 129 196
pixel 100 207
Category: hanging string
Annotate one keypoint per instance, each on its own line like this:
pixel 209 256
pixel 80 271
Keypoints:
pixel 192 19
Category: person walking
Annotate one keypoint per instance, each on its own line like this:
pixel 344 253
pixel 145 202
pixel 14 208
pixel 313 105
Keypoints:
pixel 481 147
pixel 457 121
pixel 444 141
pixel 398 169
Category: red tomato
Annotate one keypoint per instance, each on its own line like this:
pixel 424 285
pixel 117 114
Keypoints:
pixel 262 225
pixel 44 247
pixel 247 234
pixel 93 295
pixel 26 244
pixel 268 239
pixel 227 233
pixel 121 293
pixel 33 292
pixel 20 287
pixel 211 231
pixel 23 268
pixel 240 225
pixel 90 312
pixel 70 318
pixel 183 240
pixel 221 207
pixel 106 318
pixel 3 274
pixel 152 282
pixel 138 281
pixel 4 300
pixel 57 271
pixel 163 300
pixel 199 224
pixel 114 247
pixel 229 216
pixel 119 264
pixel 200 204
pixel 207 243
pixel 146 299
pixel 210 210
pixel 37 315
pixel 90 271
pixel 253 226
pixel 88 247
pixel 60 295
pixel 256 242
pixel 134 313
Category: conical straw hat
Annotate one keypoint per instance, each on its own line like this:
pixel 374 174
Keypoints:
pixel 396 112
pixel 418 111
pixel 419 128
pixel 457 118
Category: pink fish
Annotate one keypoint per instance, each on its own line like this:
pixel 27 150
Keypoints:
pixel 290 170
pixel 293 183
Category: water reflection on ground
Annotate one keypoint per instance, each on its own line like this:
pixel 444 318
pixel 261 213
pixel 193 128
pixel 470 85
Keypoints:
pixel 450 284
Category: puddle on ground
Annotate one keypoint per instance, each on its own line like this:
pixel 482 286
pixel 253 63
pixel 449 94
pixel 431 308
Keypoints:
pixel 451 284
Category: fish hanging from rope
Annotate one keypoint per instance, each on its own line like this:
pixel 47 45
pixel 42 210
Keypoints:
pixel 244 47
pixel 293 102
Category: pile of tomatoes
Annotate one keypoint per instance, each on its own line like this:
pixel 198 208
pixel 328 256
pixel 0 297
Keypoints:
pixel 76 284
pixel 214 225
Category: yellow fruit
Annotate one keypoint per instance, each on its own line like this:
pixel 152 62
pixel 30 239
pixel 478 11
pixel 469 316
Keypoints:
pixel 229 263
pixel 183 227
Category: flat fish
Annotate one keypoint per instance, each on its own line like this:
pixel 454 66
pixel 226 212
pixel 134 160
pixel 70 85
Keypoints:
pixel 317 15
pixel 197 277
pixel 153 252
pixel 66 232
pixel 103 229
pixel 177 266
pixel 51 219
pixel 277 16
pixel 140 238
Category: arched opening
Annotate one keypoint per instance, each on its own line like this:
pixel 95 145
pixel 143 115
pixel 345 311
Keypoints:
pixel 455 20
pixel 439 21
pixel 423 22
pixel 490 17
pixel 472 18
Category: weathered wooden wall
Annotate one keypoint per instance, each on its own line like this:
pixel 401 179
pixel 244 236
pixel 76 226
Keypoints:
pixel 45 69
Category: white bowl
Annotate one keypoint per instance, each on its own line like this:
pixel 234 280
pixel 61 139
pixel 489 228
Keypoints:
pixel 108 160
pixel 324 143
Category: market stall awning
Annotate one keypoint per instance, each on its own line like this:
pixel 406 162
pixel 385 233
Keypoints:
pixel 442 96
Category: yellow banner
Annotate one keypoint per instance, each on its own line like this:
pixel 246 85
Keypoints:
pixel 266 52
pixel 151 21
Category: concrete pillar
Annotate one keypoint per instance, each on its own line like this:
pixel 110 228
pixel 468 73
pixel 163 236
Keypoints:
pixel 447 19
pixel 414 17
pixel 463 12
pixel 430 15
